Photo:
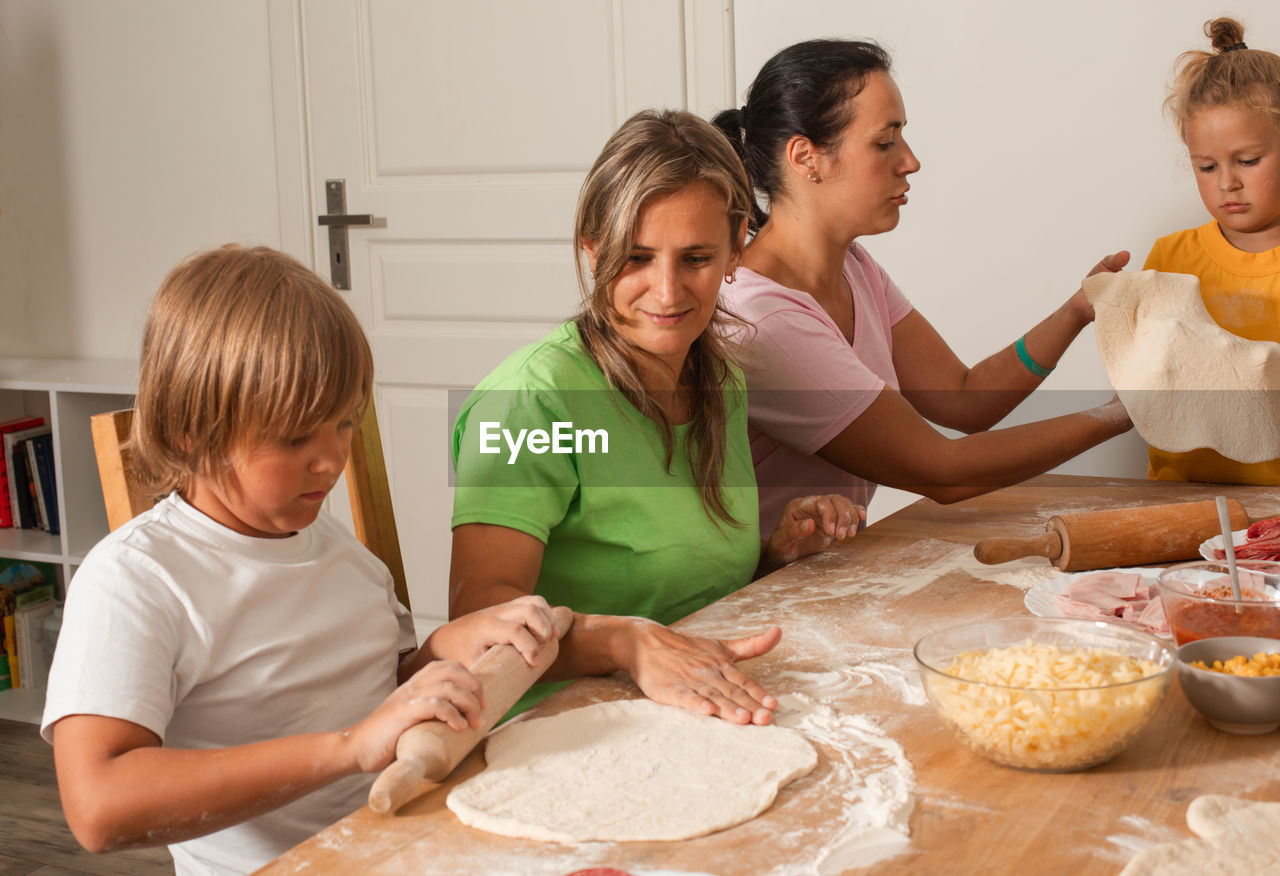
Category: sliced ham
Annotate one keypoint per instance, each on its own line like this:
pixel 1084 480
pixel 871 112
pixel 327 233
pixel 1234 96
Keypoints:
pixel 1114 596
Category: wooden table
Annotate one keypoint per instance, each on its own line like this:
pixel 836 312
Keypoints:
pixel 862 604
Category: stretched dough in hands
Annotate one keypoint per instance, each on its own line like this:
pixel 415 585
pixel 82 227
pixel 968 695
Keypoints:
pixel 1236 838
pixel 628 770
pixel 1185 381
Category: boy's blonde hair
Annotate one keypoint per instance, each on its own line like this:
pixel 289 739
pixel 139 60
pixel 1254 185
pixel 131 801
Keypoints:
pixel 243 347
pixel 1231 75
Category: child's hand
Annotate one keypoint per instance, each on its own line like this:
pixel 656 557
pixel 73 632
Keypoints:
pixel 443 690
pixel 525 623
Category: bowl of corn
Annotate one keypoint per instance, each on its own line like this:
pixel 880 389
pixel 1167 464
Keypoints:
pixel 1234 681
pixel 1045 694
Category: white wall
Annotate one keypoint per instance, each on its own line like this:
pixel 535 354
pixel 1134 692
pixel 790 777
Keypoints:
pixel 132 132
pixel 135 131
pixel 1043 147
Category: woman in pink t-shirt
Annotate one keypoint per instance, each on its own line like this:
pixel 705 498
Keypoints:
pixel 844 376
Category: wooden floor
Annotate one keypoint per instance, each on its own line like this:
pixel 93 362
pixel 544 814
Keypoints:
pixel 34 839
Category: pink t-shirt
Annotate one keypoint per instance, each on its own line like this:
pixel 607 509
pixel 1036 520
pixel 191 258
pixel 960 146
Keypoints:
pixel 806 383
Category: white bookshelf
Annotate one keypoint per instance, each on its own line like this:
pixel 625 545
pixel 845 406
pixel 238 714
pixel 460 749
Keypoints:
pixel 66 392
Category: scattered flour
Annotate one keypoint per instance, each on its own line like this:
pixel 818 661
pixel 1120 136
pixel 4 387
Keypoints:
pixel 894 668
pixel 870 780
pixel 1022 573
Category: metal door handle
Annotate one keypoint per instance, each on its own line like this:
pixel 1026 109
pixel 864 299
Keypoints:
pixel 342 220
pixel 338 220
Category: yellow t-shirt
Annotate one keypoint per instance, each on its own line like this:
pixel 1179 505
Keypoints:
pixel 1241 291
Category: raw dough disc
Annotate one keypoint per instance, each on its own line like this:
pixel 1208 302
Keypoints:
pixel 1236 838
pixel 628 771
pixel 1185 381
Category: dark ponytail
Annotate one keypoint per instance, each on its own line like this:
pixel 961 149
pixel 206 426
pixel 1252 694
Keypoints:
pixel 805 89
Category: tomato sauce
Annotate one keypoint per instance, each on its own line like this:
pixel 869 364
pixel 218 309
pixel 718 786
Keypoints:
pixel 1192 621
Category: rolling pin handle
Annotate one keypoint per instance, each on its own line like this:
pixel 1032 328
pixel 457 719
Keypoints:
pixel 993 551
pixel 396 785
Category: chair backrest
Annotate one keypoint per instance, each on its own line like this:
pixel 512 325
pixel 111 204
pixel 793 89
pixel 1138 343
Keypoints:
pixel 372 515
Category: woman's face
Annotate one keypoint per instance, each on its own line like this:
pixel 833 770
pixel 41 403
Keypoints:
pixel 864 178
pixel 666 295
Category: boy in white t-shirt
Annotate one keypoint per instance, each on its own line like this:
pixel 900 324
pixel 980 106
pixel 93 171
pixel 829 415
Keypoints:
pixel 233 665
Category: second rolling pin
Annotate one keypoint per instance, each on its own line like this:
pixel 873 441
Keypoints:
pixel 432 749
pixel 1121 537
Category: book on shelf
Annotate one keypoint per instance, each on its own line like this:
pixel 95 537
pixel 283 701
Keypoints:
pixel 15 425
pixel 41 448
pixel 29 627
pixel 11 646
pixel 25 585
pixel 33 484
pixel 20 492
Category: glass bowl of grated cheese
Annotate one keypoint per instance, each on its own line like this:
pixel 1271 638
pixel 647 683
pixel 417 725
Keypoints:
pixel 1045 694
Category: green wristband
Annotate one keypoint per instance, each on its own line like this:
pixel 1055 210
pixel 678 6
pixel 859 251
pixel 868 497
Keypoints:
pixel 1031 364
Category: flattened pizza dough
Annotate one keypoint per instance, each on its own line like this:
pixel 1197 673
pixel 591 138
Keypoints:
pixel 1185 381
pixel 1236 838
pixel 628 771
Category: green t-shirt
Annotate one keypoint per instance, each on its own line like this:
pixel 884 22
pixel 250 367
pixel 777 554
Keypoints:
pixel 623 535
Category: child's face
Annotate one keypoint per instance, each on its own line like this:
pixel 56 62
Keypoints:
pixel 275 490
pixel 1235 153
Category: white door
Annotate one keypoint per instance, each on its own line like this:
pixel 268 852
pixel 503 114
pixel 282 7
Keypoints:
pixel 465 128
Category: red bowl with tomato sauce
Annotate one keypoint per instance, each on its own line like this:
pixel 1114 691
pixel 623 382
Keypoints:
pixel 1199 602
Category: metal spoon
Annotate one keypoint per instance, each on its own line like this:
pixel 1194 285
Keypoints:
pixel 1229 548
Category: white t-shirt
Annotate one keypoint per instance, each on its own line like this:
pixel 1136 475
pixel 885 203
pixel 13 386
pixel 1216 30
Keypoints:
pixel 212 639
pixel 806 383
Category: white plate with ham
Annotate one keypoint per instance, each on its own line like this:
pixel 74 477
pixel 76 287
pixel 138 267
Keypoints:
pixel 1126 596
pixel 1261 541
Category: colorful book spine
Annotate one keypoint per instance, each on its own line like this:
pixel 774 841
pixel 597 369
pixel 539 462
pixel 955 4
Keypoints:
pixel 6 504
pixel 42 446
pixel 11 648
pixel 20 484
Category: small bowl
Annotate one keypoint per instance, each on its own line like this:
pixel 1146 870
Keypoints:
pixel 1199 604
pixel 1039 728
pixel 1234 703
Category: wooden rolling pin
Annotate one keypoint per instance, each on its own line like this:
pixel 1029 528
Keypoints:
pixel 432 749
pixel 1121 537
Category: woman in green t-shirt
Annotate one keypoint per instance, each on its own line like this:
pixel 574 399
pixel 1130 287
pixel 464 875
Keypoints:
pixel 606 467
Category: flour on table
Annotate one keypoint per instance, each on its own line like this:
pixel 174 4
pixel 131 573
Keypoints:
pixel 1022 573
pixel 1235 838
pixel 1185 381
pixel 629 770
pixel 871 778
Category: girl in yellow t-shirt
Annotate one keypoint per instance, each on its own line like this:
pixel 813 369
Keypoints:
pixel 1226 104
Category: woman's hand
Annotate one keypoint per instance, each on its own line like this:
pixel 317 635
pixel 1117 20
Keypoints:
pixel 524 622
pixel 699 674
pixel 808 526
pixel 1113 412
pixel 1113 263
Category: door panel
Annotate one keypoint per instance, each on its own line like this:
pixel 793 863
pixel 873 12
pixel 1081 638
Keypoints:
pixel 465 129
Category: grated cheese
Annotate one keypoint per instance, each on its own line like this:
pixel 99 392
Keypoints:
pixel 1052 708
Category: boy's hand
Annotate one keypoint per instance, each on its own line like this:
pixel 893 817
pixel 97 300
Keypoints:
pixel 443 690
pixel 525 623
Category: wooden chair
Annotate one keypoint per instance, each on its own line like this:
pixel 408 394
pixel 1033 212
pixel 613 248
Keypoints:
pixel 370 493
